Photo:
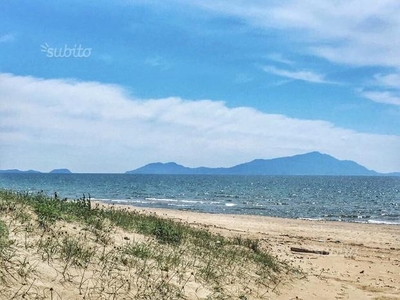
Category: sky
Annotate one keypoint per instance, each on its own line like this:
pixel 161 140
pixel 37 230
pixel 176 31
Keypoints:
pixel 109 86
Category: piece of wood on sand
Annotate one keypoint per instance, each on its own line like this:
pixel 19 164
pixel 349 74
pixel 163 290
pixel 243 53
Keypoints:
pixel 303 250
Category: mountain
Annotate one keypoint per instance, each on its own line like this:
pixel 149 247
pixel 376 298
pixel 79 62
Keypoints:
pixel 60 171
pixel 161 168
pixel 313 163
pixel 16 171
pixel 10 171
pixel 174 168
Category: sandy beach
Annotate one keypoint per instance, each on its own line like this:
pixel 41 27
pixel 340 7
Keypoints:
pixel 363 260
pixel 52 249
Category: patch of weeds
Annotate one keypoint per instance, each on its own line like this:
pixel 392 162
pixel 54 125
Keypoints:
pixel 6 207
pixel 168 260
pixel 7 255
pixel 139 250
pixel 75 252
pixel 22 216
pixel 25 268
pixel 48 248
pixel 267 260
pixel 47 213
pixel 96 221
pixel 252 244
pixel 167 231
pixel 3 236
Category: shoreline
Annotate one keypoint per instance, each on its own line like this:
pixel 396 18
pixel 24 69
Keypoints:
pixel 233 220
pixel 317 219
pixel 363 260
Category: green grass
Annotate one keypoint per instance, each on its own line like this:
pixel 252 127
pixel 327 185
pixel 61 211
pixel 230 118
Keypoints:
pixel 169 257
pixel 3 236
pixel 140 250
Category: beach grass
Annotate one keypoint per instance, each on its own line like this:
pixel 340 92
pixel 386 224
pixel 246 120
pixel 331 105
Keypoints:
pixel 53 248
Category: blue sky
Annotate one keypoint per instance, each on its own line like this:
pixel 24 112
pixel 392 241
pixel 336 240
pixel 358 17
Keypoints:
pixel 211 83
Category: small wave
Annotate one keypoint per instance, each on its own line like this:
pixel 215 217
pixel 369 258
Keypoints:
pixel 230 204
pixel 120 201
pixel 354 216
pixel 383 222
pixel 192 201
pixel 177 205
pixel 112 200
pixel 176 200
pixel 312 219
pixel 161 199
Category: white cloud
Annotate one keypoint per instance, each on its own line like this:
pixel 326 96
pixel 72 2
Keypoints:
pixel 355 32
pixel 350 32
pixel 88 126
pixel 385 89
pixel 384 97
pixel 279 58
pixel 308 76
pixel 7 38
pixel 157 62
pixel 388 80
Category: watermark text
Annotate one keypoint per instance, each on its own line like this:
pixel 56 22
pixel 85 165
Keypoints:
pixel 66 52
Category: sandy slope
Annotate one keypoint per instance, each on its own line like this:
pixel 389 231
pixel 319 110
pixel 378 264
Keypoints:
pixel 364 259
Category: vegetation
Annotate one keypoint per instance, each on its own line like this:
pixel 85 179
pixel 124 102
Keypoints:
pixel 52 248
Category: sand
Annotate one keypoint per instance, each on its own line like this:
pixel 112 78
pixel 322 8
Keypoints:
pixel 363 260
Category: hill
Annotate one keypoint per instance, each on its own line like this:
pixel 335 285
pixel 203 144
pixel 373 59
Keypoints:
pixel 10 171
pixel 16 171
pixel 313 163
pixel 60 171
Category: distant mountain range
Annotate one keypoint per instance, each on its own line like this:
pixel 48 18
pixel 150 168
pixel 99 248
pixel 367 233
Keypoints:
pixel 55 171
pixel 18 171
pixel 313 163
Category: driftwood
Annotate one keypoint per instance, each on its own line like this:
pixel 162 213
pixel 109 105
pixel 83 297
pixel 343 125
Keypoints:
pixel 302 250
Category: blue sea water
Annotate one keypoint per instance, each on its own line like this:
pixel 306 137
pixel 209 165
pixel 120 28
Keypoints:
pixel 350 199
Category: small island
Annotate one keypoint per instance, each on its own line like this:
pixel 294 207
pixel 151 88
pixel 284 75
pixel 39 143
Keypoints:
pixel 60 171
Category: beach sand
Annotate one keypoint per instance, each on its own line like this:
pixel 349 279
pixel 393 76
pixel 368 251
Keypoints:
pixel 363 260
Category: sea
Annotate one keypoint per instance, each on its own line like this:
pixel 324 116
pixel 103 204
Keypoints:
pixel 362 199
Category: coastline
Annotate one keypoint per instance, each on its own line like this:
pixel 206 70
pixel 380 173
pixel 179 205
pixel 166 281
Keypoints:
pixel 123 203
pixel 363 260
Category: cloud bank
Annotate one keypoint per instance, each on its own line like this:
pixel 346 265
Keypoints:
pixel 94 127
pixel 355 32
